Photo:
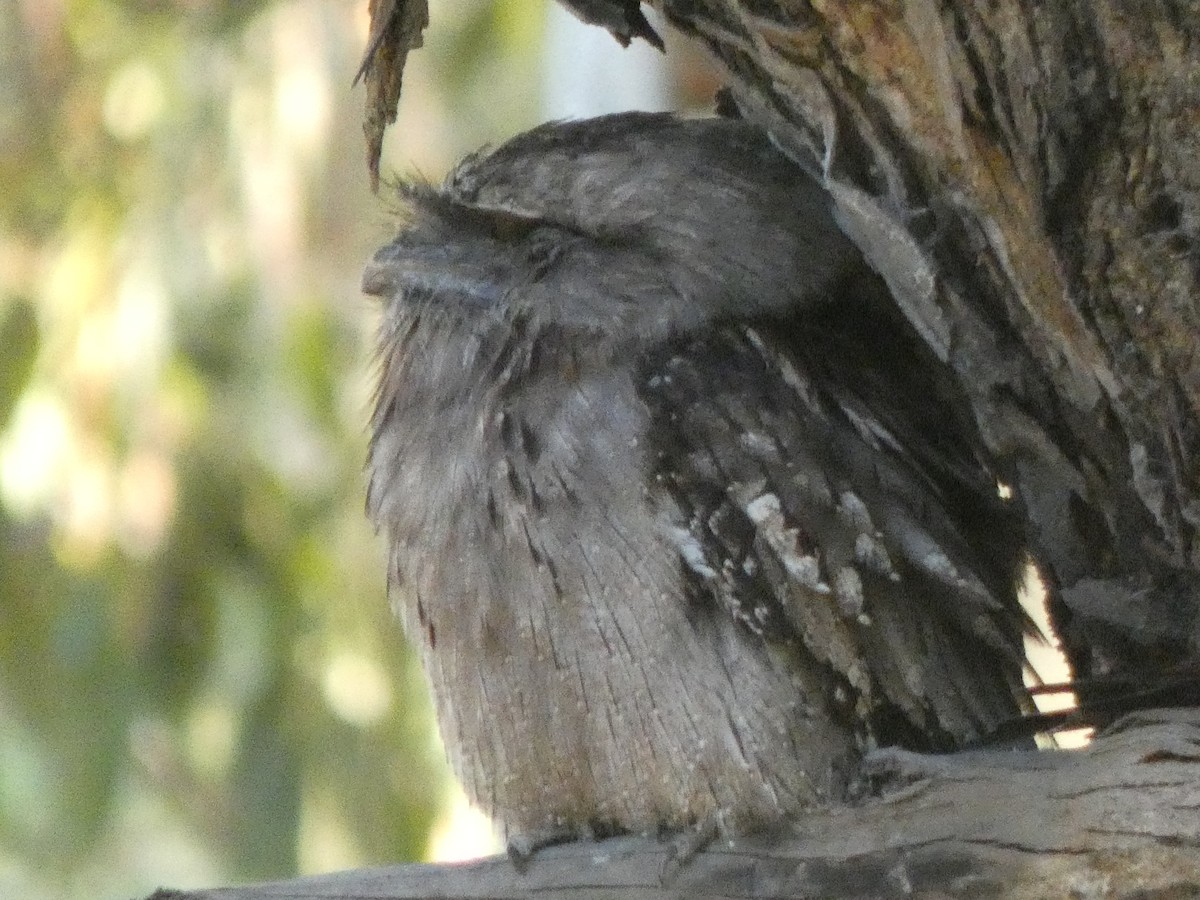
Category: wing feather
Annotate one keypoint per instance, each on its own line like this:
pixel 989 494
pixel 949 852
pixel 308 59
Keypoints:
pixel 835 500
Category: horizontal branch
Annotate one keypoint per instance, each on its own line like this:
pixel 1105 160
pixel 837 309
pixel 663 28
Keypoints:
pixel 1119 817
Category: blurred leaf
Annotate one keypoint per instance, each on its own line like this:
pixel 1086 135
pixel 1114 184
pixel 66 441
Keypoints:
pixel 19 338
pixel 266 791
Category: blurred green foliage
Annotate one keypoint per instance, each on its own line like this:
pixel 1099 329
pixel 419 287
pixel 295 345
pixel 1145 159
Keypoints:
pixel 200 681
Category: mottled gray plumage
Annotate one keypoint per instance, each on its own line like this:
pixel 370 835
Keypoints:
pixel 681 515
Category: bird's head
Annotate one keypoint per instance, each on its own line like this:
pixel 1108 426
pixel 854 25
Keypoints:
pixel 631 227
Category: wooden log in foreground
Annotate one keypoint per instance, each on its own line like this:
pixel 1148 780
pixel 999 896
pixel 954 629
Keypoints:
pixel 1120 818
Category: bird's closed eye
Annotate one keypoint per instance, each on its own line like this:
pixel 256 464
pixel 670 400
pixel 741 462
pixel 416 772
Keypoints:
pixel 500 224
pixel 507 226
pixel 542 241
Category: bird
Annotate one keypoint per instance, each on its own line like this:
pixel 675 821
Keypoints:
pixel 682 516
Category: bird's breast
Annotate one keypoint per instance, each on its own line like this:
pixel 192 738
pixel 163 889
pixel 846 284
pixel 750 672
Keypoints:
pixel 575 680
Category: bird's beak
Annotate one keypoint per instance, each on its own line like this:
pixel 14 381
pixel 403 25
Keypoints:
pixel 379 278
pixel 436 269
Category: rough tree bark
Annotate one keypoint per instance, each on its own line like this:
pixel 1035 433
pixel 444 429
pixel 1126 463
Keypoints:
pixel 1026 175
pixel 1117 820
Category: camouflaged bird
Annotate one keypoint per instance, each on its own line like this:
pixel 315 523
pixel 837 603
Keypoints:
pixel 682 515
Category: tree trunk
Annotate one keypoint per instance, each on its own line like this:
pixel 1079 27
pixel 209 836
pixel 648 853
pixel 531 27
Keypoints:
pixel 1026 175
